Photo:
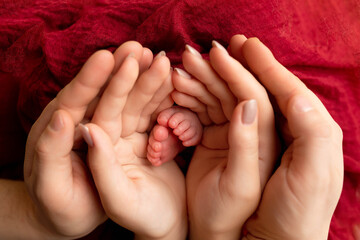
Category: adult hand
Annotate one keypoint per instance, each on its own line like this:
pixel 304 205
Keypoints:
pixel 55 172
pixel 230 166
pixel 301 196
pixel 147 200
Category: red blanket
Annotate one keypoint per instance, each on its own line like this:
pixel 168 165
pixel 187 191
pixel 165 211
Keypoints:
pixel 43 44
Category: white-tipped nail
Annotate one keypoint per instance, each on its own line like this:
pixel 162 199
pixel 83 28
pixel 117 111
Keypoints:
pixel 160 54
pixel 192 50
pixel 86 134
pixel 182 73
pixel 218 45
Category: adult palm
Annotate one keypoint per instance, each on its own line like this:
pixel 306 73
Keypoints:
pixel 147 200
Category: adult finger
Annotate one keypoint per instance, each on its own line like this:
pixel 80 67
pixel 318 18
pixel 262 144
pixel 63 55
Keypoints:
pixel 143 55
pixel 109 110
pixel 317 140
pixel 309 122
pixel 193 104
pixel 274 76
pixel 53 161
pixel 235 48
pixel 160 97
pixel 146 60
pixel 201 70
pixel 184 83
pixel 137 51
pixel 245 86
pixel 237 76
pixel 77 95
pixel 145 88
pixel 284 85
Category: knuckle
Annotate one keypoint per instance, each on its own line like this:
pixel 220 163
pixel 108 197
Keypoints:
pixel 41 147
pixel 326 129
pixel 270 69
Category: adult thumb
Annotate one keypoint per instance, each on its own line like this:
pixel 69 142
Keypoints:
pixel 317 138
pixel 243 159
pixel 52 159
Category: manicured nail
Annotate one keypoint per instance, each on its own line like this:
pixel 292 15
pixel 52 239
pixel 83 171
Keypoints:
pixel 182 73
pixel 56 122
pixel 86 134
pixel 218 45
pixel 192 50
pixel 249 112
pixel 302 104
pixel 160 54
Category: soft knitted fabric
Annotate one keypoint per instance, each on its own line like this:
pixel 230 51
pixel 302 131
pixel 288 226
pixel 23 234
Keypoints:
pixel 43 44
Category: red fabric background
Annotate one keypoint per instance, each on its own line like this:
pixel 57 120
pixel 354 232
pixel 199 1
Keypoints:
pixel 43 44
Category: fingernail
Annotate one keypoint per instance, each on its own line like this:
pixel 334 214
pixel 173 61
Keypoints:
pixel 86 134
pixel 182 73
pixel 192 50
pixel 218 45
pixel 56 122
pixel 160 54
pixel 131 55
pixel 302 104
pixel 249 112
pixel 243 36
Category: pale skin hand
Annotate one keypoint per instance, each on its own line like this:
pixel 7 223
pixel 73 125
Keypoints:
pixel 301 196
pixel 226 173
pixel 224 184
pixel 53 167
pixel 214 95
pixel 147 200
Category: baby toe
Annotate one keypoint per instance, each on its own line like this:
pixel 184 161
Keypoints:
pixel 176 119
pixel 187 135
pixel 165 115
pixel 160 133
pixel 181 128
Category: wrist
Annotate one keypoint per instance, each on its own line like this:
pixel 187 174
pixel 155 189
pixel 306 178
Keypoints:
pixel 43 229
pixel 42 225
pixel 18 215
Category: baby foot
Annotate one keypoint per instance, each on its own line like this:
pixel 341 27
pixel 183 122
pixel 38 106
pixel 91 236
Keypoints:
pixel 163 145
pixel 177 128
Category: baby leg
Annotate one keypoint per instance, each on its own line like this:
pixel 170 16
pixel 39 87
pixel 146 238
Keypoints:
pixel 177 128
